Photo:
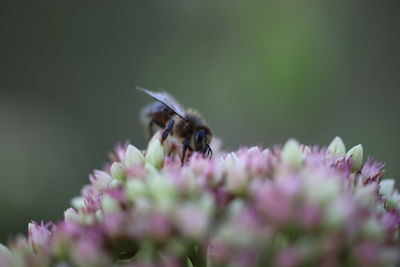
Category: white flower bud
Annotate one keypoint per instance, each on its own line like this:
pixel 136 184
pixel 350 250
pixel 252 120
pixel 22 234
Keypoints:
pixel 336 213
pixel 386 187
pixel 38 235
pixel 366 195
pixel 322 191
pixel 394 200
pixel 78 202
pixel 100 179
pixel 253 150
pixel 356 154
pixel 155 153
pixel 71 215
pixel 116 183
pixel 163 192
pixel 373 229
pixel 109 204
pixel 306 151
pixel 291 153
pixel 87 218
pixel 118 171
pixel 135 189
pixel 133 156
pixel 5 251
pixel 336 148
pixel 266 152
pixel 99 215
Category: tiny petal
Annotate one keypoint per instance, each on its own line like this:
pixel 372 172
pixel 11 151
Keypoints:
pixel 291 153
pixel 155 153
pixel 336 148
pixel 133 156
pixel 355 155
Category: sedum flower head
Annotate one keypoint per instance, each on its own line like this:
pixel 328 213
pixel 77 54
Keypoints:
pixel 295 206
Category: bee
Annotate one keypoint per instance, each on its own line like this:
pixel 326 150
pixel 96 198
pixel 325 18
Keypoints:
pixel 185 125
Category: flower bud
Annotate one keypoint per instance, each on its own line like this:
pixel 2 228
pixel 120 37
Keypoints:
pixel 100 179
pixel 135 189
pixel 366 195
pixel 4 250
pixel 373 229
pixel 163 192
pixel 71 215
pixel 86 218
pixel 116 183
pixel 355 155
pixel 78 202
pixel 99 215
pixel 291 153
pixel 253 150
pixel 155 153
pixel 38 235
pixel 306 151
pixel 133 156
pixel 336 213
pixel 109 204
pixel 266 152
pixel 192 221
pixel 386 187
pixel 322 191
pixel 394 201
pixel 336 148
pixel 118 171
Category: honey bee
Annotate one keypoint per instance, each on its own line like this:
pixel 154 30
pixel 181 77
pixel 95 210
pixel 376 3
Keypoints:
pixel 185 125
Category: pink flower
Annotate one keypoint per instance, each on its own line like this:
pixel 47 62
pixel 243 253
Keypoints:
pixel 299 205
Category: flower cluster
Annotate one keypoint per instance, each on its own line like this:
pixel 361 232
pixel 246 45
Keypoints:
pixel 294 205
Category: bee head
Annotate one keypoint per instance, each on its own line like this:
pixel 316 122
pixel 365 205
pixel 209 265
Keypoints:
pixel 201 142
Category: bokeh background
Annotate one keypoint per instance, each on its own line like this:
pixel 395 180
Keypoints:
pixel 259 72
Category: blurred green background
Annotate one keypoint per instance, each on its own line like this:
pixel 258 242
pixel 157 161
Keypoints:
pixel 259 72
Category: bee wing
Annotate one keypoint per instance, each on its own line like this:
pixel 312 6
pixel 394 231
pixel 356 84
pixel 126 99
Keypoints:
pixel 167 100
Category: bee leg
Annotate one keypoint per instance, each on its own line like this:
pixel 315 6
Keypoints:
pixel 165 133
pixel 209 151
pixel 186 146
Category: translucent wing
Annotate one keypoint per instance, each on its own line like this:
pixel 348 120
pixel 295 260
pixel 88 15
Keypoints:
pixel 167 100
